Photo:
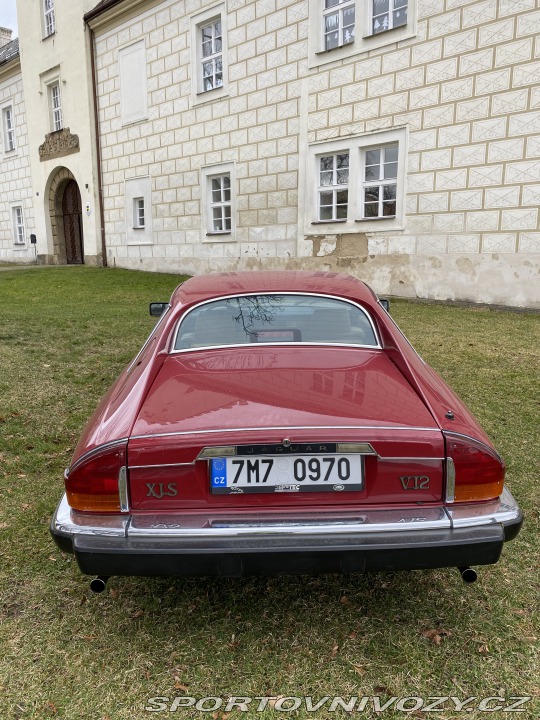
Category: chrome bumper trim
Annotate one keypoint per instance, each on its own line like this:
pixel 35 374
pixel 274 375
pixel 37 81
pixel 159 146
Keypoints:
pixel 69 523
pixel 503 510
pixel 237 525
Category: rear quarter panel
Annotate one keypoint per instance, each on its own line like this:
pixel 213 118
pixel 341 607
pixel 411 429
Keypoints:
pixel 431 388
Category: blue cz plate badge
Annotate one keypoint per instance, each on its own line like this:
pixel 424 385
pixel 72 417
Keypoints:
pixel 219 473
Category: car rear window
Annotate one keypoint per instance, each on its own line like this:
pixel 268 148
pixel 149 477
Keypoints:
pixel 275 319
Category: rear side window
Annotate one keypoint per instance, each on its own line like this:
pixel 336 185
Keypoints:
pixel 275 319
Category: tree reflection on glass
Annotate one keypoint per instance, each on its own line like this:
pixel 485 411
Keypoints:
pixel 256 310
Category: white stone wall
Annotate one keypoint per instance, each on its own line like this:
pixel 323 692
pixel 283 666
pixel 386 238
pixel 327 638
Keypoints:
pixel 466 88
pixel 15 176
pixel 258 131
pixel 63 57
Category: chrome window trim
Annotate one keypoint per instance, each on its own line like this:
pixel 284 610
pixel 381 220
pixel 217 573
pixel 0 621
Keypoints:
pixel 378 346
pixel 148 339
pixel 409 343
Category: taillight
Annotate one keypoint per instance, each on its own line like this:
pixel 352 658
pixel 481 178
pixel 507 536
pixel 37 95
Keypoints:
pixel 97 482
pixel 476 470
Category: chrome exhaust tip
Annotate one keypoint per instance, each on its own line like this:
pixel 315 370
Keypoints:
pixel 97 585
pixel 468 575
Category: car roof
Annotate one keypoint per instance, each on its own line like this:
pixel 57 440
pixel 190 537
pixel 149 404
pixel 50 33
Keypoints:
pixel 214 285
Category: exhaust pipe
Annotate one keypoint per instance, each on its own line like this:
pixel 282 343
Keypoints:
pixel 468 575
pixel 97 585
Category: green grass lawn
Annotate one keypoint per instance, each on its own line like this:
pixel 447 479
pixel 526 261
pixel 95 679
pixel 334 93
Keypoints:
pixel 65 333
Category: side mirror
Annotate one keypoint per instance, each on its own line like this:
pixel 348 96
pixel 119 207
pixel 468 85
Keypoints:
pixel 385 304
pixel 158 308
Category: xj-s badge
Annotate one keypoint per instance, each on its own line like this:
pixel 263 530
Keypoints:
pixel 162 491
pixel 414 482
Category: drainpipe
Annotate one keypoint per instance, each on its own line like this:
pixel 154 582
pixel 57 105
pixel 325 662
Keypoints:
pixel 98 145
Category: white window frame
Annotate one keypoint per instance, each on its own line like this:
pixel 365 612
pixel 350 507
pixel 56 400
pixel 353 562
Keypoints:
pixel 394 6
pixel 9 129
pixel 220 194
pixel 357 147
pixel 211 49
pixel 208 174
pixel 138 213
pixel 339 8
pixel 384 179
pixel 19 228
pixel 198 22
pixel 332 167
pixel 49 18
pixel 136 189
pixel 55 100
pixel 364 38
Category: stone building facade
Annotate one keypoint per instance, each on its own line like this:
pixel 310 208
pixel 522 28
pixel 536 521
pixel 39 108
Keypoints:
pixel 17 217
pixel 408 155
pixel 398 140
pixel 52 172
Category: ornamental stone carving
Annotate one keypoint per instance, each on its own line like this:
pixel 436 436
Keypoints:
pixel 57 144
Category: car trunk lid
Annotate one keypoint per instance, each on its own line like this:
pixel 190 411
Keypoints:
pixel 257 398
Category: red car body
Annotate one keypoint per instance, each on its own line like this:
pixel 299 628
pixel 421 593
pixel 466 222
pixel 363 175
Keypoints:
pixel 141 494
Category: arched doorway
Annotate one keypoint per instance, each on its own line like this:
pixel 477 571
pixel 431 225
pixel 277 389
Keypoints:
pixel 72 221
pixel 64 205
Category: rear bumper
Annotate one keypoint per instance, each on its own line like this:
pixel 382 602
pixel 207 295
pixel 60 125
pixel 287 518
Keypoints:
pixel 239 545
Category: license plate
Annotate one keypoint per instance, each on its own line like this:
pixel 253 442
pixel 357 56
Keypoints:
pixel 290 473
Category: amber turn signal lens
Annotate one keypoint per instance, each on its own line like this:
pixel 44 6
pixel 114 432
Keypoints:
pixel 481 491
pixel 85 502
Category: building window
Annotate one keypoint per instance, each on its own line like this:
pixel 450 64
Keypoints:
pixel 209 54
pixel 333 190
pixel 218 208
pixel 9 129
pixel 340 29
pixel 211 40
pixel 56 106
pixel 380 181
pixel 360 180
pixel 138 213
pixel 19 234
pixel 220 203
pixel 49 21
pixel 388 14
pixel 138 210
pixel 339 22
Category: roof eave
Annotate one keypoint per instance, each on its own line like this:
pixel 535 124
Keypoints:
pixel 10 66
pixel 110 9
pixel 99 9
